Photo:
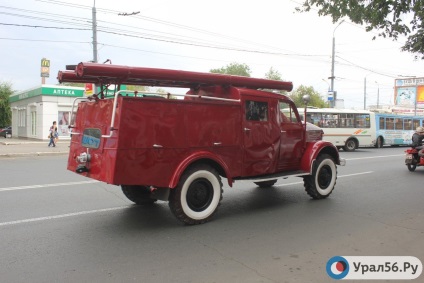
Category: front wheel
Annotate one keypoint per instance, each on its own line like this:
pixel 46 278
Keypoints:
pixel 138 194
pixel 266 184
pixel 323 179
pixel 411 167
pixel 197 195
pixel 350 145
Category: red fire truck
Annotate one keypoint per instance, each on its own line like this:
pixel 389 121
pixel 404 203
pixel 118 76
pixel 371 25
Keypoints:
pixel 177 150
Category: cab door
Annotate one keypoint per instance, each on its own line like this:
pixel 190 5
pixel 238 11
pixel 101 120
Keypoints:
pixel 291 135
pixel 261 136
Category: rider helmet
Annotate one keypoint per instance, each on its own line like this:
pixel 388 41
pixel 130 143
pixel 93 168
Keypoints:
pixel 420 130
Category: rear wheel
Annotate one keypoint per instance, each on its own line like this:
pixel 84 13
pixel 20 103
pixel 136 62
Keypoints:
pixel 138 194
pixel 411 167
pixel 379 143
pixel 350 145
pixel 197 195
pixel 266 184
pixel 323 179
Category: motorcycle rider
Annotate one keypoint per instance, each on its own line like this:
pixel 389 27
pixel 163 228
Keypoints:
pixel 417 140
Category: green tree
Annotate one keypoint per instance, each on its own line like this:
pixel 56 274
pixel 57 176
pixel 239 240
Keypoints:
pixel 274 75
pixel 138 88
pixel 316 100
pixel 390 18
pixel 5 113
pixel 238 69
pixel 73 84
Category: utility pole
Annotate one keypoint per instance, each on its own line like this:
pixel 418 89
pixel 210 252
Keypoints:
pixel 94 33
pixel 332 66
pixel 378 95
pixel 365 92
pixel 95 59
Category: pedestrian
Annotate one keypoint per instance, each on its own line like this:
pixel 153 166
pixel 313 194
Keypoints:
pixel 417 140
pixel 52 131
pixel 56 136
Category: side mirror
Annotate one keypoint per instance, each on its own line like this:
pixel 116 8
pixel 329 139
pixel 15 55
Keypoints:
pixel 306 98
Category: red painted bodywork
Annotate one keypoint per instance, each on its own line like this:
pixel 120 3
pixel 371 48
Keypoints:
pixel 154 140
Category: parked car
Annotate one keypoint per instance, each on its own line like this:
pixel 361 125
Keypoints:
pixel 6 132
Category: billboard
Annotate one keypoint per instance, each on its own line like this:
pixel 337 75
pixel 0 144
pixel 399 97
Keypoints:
pixel 409 92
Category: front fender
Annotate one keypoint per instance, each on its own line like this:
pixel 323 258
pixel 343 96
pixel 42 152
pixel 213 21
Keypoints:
pixel 202 156
pixel 312 150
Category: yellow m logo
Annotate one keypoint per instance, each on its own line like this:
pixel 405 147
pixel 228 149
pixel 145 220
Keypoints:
pixel 45 62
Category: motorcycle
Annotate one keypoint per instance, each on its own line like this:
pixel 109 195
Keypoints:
pixel 412 159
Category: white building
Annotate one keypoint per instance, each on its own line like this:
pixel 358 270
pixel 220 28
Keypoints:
pixel 34 110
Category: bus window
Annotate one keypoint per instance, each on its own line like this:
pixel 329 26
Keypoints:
pixel 382 126
pixel 407 124
pixel 362 120
pixel 350 121
pixel 390 123
pixel 416 124
pixel 398 124
pixel 346 120
pixel 330 121
pixel 315 118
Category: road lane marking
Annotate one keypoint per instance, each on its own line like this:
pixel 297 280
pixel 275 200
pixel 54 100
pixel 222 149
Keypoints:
pixel 105 209
pixel 372 157
pixel 355 174
pixel 47 185
pixel 61 216
pixel 348 175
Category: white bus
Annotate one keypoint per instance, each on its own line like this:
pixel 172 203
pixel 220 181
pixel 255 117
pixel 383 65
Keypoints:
pixel 347 129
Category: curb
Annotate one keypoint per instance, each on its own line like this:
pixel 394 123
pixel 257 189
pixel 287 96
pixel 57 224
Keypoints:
pixel 26 142
pixel 10 155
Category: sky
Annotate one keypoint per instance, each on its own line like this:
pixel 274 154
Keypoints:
pixel 203 35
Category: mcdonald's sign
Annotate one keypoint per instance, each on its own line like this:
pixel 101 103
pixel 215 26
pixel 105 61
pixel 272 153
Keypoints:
pixel 45 68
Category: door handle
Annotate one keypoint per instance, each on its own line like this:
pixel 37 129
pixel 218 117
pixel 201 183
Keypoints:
pixel 217 143
pixel 246 129
pixel 157 146
pixel 283 131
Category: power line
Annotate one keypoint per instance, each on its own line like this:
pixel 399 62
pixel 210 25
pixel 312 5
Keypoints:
pixel 172 41
pixel 44 40
pixel 45 27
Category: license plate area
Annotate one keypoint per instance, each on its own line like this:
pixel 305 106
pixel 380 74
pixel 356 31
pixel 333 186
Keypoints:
pixel 91 138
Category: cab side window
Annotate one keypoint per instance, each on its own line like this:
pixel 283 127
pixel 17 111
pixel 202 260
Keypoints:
pixel 256 111
pixel 286 113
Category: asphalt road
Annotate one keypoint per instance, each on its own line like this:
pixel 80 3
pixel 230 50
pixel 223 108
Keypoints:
pixel 56 226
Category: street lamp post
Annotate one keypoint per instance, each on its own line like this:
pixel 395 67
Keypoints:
pixel 94 27
pixel 328 90
pixel 378 94
pixel 365 92
pixel 332 66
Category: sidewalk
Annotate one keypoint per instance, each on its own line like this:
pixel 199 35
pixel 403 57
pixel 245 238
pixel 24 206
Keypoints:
pixel 15 147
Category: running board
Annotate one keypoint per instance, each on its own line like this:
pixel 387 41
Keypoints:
pixel 274 176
